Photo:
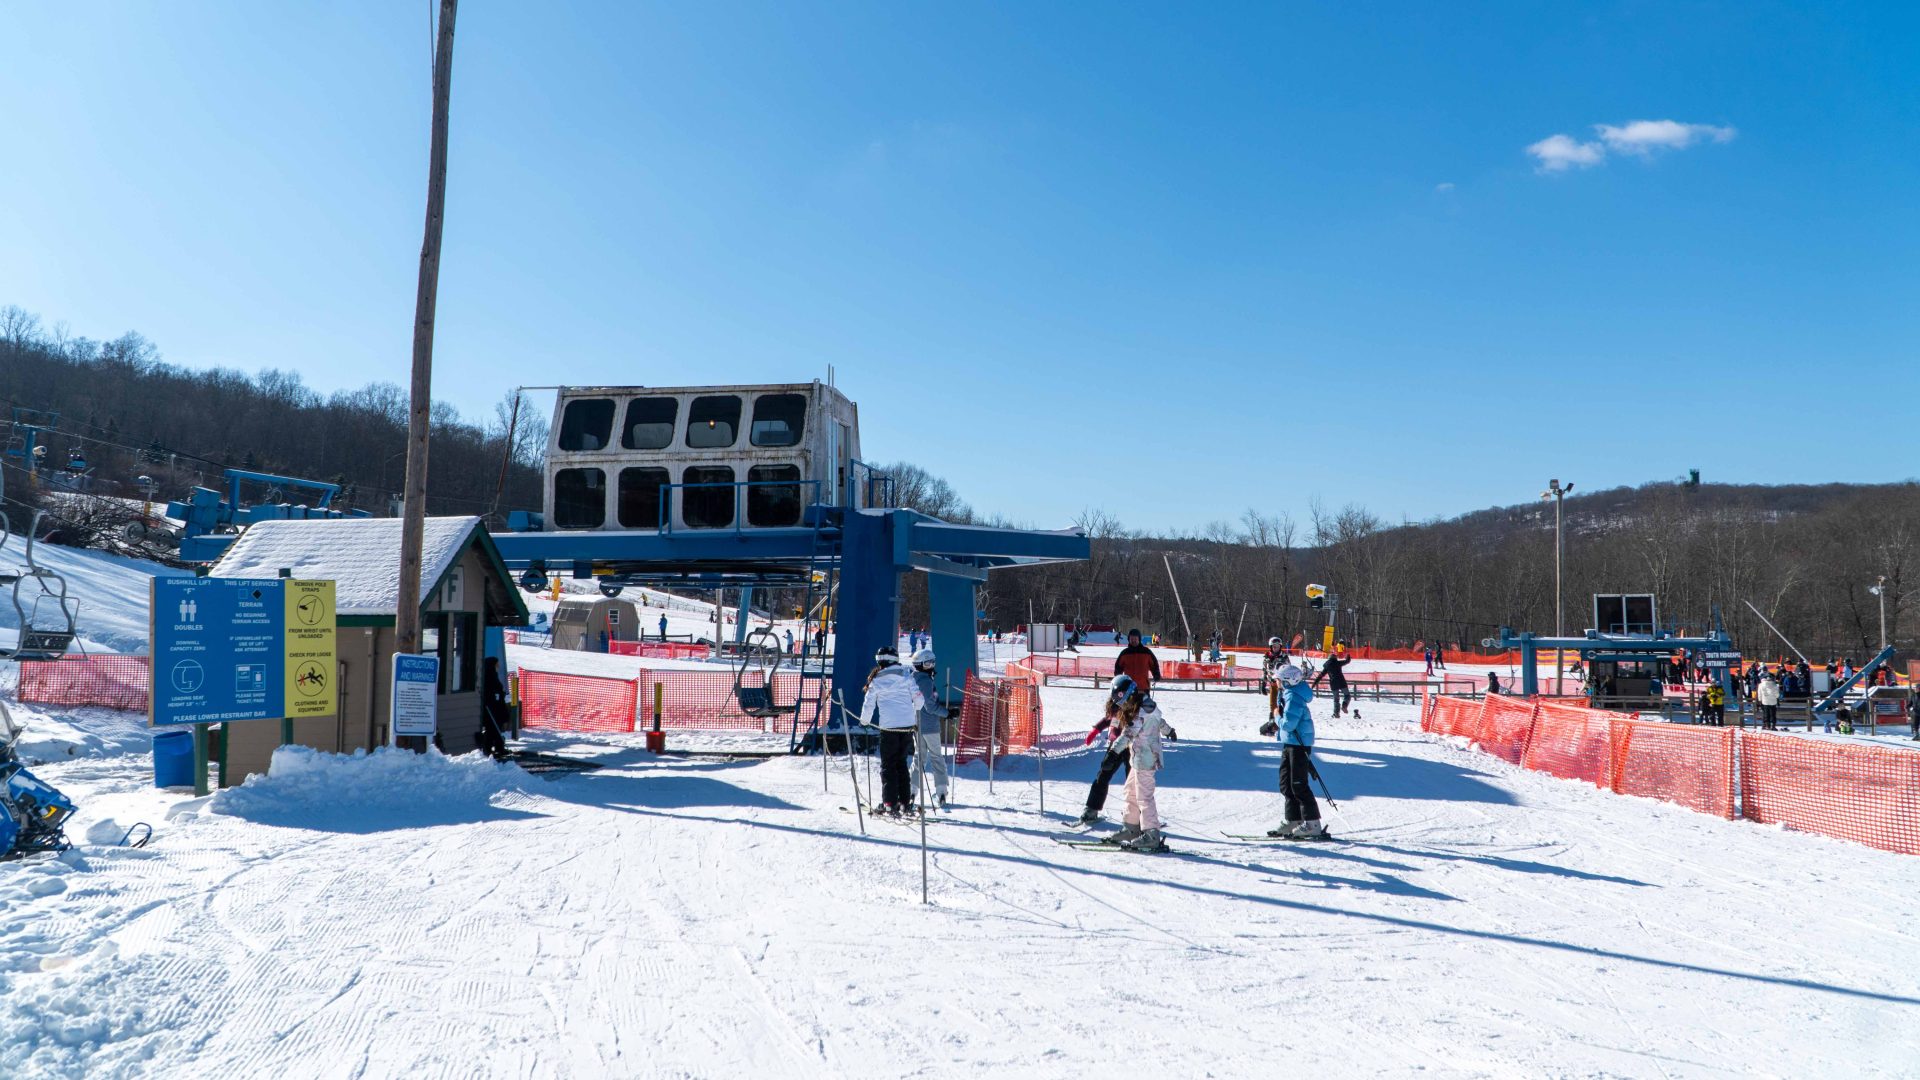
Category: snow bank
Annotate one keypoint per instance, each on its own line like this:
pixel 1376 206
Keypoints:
pixel 55 735
pixel 364 792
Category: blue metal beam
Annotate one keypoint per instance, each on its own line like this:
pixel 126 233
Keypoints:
pixel 1839 693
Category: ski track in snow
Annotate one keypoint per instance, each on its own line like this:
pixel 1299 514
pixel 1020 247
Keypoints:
pixel 712 917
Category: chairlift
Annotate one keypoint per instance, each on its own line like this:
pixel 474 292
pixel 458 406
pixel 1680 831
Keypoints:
pixel 753 678
pixel 41 607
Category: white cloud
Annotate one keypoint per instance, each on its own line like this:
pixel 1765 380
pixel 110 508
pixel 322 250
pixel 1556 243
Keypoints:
pixel 1558 153
pixel 1641 138
pixel 1645 136
pixel 1443 188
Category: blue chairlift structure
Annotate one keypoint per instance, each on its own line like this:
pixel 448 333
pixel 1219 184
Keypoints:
pixel 211 521
pixel 790 506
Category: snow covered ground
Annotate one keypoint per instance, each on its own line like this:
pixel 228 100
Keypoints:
pixel 111 591
pixel 716 917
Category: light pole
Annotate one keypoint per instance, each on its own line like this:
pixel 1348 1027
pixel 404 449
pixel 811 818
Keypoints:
pixel 1879 589
pixel 1558 493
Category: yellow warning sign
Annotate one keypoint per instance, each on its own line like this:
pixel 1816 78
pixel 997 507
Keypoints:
pixel 310 663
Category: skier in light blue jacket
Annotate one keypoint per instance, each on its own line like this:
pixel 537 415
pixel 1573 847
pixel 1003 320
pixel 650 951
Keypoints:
pixel 1295 732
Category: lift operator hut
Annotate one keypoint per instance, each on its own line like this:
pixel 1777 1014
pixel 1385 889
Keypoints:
pixel 465 592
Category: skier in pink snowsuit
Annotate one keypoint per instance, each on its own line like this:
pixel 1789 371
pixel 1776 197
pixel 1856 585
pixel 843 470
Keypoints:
pixel 1140 720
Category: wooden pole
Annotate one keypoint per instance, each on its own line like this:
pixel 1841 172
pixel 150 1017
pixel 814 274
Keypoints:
pixel 414 513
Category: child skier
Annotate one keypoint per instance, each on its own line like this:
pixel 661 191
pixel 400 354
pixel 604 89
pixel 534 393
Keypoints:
pixel 932 714
pixel 890 698
pixel 1115 759
pixel 1295 732
pixel 1140 721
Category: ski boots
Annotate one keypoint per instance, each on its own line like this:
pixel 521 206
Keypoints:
pixel 1308 830
pixel 1147 843
pixel 1126 833
pixel 1088 817
pixel 1283 830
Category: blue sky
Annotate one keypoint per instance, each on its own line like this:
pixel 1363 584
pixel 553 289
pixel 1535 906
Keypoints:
pixel 1169 260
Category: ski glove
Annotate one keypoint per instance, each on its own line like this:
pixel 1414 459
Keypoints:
pixel 1269 729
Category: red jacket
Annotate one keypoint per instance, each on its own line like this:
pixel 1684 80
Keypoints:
pixel 1139 662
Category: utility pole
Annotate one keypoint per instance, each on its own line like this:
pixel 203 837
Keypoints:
pixel 1558 494
pixel 1879 590
pixel 414 514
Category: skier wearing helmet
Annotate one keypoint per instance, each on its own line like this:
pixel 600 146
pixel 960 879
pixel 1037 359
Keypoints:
pixel 890 700
pixel 932 714
pixel 1295 732
pixel 1112 761
pixel 1274 660
pixel 1139 721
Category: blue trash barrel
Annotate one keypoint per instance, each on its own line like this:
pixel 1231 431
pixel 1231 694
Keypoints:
pixel 173 759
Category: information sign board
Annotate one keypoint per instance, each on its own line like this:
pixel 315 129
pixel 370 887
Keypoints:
pixel 416 682
pixel 219 650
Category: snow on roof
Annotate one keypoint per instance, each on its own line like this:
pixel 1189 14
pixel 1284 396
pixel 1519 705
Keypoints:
pixel 360 555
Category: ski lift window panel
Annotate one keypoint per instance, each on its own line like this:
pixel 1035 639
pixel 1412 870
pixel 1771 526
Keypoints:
pixel 579 498
pixel 707 507
pixel 650 423
pixel 586 425
pixel 640 497
pixel 713 423
pixel 769 505
pixel 779 419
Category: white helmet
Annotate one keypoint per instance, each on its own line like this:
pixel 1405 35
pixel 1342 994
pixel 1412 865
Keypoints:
pixel 1274 643
pixel 886 654
pixel 923 658
pixel 1290 675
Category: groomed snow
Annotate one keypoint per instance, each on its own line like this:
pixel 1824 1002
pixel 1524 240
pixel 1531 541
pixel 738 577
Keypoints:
pixel 711 917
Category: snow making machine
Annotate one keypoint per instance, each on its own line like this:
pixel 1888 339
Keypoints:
pixel 760 487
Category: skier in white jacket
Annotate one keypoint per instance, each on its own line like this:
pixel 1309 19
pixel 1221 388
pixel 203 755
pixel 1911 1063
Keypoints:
pixel 891 699
pixel 1140 721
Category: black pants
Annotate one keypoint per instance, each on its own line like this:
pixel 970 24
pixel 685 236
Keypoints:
pixel 1769 714
pixel 492 737
pixel 1112 763
pixel 1342 697
pixel 896 785
pixel 1293 784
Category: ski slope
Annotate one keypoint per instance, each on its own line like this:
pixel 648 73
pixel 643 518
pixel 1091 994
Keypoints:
pixel 713 917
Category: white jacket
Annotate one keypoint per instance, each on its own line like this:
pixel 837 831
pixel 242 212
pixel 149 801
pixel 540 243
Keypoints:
pixel 894 698
pixel 1145 735
pixel 1768 692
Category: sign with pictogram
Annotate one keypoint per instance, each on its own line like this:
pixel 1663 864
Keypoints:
pixel 310 649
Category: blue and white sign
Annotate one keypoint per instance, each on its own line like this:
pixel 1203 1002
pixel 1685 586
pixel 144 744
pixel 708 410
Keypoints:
pixel 219 650
pixel 416 684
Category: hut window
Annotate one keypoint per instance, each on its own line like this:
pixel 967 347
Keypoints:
pixel 707 507
pixel 587 424
pixel 770 500
pixel 579 498
pixel 640 497
pixel 779 419
pixel 650 423
pixel 713 423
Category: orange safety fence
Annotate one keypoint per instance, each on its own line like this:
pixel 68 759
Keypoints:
pixel 659 650
pixel 109 680
pixel 577 702
pixel 705 701
pixel 1867 794
pixel 998 717
pixel 1676 763
pixel 1570 742
pixel 1505 723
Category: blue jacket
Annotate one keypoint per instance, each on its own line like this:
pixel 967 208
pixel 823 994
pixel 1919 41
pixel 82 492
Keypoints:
pixel 927 708
pixel 1296 726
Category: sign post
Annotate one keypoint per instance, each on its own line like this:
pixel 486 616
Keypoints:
pixel 416 681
